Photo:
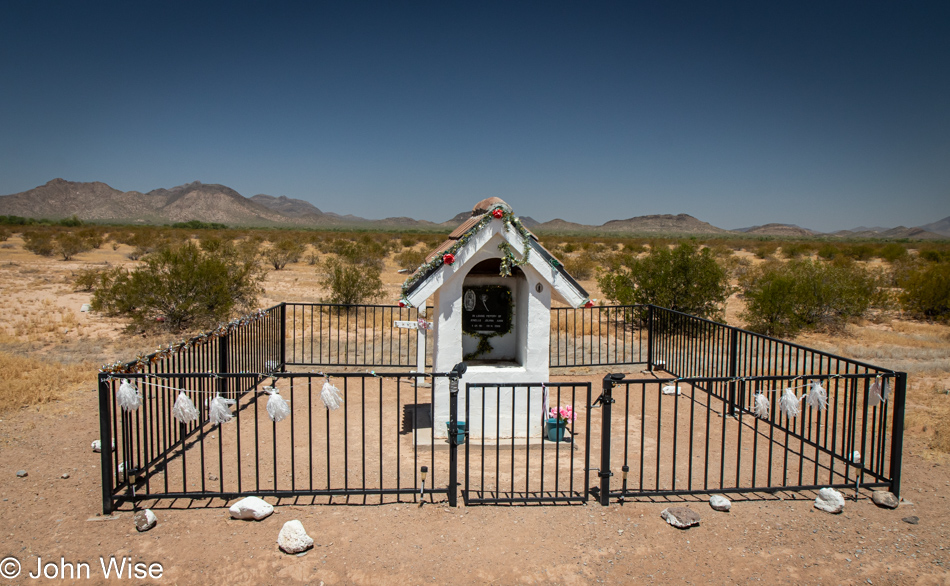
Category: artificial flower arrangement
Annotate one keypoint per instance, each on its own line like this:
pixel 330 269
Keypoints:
pixel 563 414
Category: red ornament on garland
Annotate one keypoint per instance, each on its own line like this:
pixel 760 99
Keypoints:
pixel 448 258
pixel 498 213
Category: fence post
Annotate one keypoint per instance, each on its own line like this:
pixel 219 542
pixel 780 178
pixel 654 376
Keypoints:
pixel 105 442
pixel 733 367
pixel 457 371
pixel 223 364
pixel 606 401
pixel 897 432
pixel 421 340
pixel 650 338
pixel 283 337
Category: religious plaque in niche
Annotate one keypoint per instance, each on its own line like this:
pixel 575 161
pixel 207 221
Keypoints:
pixel 486 308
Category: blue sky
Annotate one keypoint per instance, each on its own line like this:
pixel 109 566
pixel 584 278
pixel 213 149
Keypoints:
pixel 829 115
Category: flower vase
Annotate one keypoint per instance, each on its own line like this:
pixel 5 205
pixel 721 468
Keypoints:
pixel 556 429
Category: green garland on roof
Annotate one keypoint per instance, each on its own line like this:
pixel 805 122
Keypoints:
pixel 508 259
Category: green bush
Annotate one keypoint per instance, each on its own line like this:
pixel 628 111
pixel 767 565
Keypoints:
pixel 582 265
pixel 350 283
pixel 199 225
pixel 784 298
pixel 94 236
pixel 89 279
pixel 828 251
pixel 796 249
pixel 683 279
pixel 181 287
pixel 39 242
pixel 862 251
pixel 282 252
pixel 926 292
pixel 765 249
pixel 892 252
pixel 69 244
pixel 410 259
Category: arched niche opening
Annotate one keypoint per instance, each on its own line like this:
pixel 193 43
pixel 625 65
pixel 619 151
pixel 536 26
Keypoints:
pixel 494 325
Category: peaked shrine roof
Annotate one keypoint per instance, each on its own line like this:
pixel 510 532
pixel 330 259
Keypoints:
pixel 495 215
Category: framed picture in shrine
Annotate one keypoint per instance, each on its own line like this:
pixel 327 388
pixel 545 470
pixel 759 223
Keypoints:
pixel 486 309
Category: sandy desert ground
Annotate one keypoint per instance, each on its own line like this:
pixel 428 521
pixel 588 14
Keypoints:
pixel 54 514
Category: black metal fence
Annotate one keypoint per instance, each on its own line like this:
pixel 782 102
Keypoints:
pixel 352 335
pixel 689 428
pixel 676 437
pixel 374 445
pixel 599 336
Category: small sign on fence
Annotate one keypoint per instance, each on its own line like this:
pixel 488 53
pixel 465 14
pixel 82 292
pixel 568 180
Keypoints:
pixel 421 324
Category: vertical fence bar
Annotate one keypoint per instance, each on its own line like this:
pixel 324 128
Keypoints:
pixel 606 400
pixel 897 431
pixel 105 439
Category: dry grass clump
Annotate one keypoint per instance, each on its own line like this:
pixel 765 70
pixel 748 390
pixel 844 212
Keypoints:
pixel 928 412
pixel 27 381
pixel 40 321
pixel 911 347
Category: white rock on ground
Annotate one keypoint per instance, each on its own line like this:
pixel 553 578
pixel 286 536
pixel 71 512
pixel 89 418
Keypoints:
pixel 251 507
pixel 720 503
pixel 97 445
pixel 829 500
pixel 680 517
pixel 293 538
pixel 145 520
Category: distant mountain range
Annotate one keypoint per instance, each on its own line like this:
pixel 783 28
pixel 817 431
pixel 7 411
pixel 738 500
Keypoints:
pixel 98 202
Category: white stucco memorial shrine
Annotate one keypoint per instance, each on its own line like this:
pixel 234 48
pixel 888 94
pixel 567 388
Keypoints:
pixel 492 284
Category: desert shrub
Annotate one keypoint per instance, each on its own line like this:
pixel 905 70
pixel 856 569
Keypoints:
pixel 932 253
pixel 784 298
pixel 352 276
pixel 144 241
pixel 926 291
pixel 410 258
pixel 39 242
pixel 892 252
pixel 582 265
pixel 765 249
pixel 4 234
pixel 633 247
pixel 199 225
pixel 683 279
pixel 88 279
pixel 72 221
pixel 408 241
pixel 569 247
pixel 181 287
pixel 69 244
pixel 796 249
pixel 828 251
pixel 861 251
pixel 94 236
pixel 282 252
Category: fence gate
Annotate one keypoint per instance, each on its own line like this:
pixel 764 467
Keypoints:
pixel 514 454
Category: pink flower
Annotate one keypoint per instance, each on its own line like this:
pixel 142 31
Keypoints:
pixel 564 413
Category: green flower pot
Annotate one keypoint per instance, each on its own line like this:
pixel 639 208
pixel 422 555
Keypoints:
pixel 556 429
